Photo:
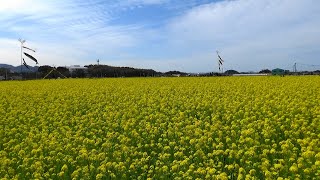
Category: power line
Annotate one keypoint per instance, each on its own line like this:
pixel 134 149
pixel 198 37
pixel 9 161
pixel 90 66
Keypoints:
pixel 304 67
pixel 313 65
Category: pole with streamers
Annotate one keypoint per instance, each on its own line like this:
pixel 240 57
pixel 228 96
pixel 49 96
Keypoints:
pixel 22 60
pixel 22 41
pixel 220 62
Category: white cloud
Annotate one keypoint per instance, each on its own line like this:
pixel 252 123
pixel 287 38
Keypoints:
pixel 9 45
pixel 251 34
pixel 64 33
pixel 146 2
pixel 25 6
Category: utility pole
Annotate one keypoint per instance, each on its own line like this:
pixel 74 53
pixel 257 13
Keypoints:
pixel 22 41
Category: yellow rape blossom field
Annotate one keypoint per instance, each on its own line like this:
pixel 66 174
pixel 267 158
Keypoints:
pixel 161 128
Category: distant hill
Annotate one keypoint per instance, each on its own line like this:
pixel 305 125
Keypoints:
pixel 17 69
pixel 6 66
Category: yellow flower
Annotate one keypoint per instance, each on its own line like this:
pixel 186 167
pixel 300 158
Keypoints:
pixel 64 168
pixel 294 168
pixel 252 172
pixel 99 176
pixel 165 168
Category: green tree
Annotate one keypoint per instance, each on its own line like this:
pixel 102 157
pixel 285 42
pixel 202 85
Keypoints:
pixel 265 71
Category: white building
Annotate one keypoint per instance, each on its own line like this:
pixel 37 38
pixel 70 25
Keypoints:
pixel 76 67
pixel 251 74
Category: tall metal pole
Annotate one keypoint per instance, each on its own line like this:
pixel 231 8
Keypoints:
pixel 21 41
pixel 218 62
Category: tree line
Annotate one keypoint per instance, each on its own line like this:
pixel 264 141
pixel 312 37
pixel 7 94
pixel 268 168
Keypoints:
pixel 89 71
pixel 100 71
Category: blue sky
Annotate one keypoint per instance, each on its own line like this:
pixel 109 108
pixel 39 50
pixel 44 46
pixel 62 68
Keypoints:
pixel 163 34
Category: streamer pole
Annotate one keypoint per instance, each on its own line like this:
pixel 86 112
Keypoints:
pixel 22 41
